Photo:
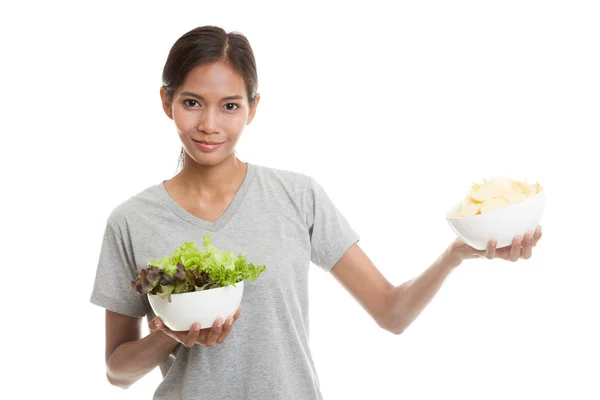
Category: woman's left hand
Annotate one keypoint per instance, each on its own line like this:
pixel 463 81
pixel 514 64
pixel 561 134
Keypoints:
pixel 522 247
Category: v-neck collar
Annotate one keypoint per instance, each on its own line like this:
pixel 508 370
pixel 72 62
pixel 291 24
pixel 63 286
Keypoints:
pixel 172 205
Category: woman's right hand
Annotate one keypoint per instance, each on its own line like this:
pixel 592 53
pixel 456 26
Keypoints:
pixel 206 337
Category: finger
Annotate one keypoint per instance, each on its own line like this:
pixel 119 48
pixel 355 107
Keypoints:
pixel 491 249
pixel 515 249
pixel 214 333
pixel 237 314
pixel 226 329
pixel 537 235
pixel 527 246
pixel 202 336
pixel 228 325
pixel 190 339
pixel 155 324
pixel 158 325
pixel 503 253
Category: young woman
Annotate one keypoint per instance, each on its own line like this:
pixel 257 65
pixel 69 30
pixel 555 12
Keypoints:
pixel 279 218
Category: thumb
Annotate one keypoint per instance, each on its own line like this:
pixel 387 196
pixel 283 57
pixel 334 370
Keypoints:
pixel 157 324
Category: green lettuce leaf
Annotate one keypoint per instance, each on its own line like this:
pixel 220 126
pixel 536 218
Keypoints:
pixel 189 269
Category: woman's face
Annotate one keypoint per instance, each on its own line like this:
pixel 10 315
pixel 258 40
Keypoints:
pixel 211 105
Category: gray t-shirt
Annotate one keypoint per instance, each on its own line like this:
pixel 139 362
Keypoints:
pixel 282 219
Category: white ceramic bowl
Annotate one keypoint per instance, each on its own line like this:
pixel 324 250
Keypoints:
pixel 185 309
pixel 502 225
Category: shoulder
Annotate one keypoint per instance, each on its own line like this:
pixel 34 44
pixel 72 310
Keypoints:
pixel 121 215
pixel 288 186
pixel 289 179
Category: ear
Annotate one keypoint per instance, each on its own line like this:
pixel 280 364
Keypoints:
pixel 253 109
pixel 166 104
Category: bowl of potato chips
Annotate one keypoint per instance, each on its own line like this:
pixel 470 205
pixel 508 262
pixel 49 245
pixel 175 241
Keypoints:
pixel 499 208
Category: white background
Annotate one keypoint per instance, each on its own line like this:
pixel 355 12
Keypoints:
pixel 395 110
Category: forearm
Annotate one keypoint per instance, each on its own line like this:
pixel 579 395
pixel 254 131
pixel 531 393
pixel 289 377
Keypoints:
pixel 406 301
pixel 132 360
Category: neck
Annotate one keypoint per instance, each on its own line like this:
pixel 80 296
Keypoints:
pixel 211 181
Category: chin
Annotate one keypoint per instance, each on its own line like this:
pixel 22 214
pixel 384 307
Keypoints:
pixel 211 158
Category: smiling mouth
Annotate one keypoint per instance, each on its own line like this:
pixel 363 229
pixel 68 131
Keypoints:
pixel 206 142
pixel 207 147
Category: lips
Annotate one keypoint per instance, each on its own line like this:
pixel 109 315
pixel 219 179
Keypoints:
pixel 202 145
pixel 207 142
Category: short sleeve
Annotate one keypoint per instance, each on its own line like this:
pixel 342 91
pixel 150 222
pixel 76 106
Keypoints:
pixel 330 233
pixel 114 274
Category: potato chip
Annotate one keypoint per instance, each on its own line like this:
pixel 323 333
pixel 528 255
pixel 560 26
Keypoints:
pixel 469 211
pixel 493 205
pixel 514 197
pixel 494 194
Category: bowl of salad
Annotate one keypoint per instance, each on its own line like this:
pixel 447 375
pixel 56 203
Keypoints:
pixel 195 286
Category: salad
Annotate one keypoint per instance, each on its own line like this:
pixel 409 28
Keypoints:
pixel 190 270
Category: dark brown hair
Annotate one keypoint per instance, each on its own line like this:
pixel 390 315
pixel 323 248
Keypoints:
pixel 208 45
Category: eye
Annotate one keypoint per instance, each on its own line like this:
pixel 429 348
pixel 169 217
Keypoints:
pixel 229 106
pixel 190 102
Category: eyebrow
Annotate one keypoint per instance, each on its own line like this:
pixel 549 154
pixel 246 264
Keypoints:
pixel 236 97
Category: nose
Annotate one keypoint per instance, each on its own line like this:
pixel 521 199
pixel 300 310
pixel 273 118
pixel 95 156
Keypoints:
pixel 208 121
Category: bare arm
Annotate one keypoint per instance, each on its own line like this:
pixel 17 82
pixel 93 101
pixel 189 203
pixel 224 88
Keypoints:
pixel 129 357
pixel 406 301
pixel 396 307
